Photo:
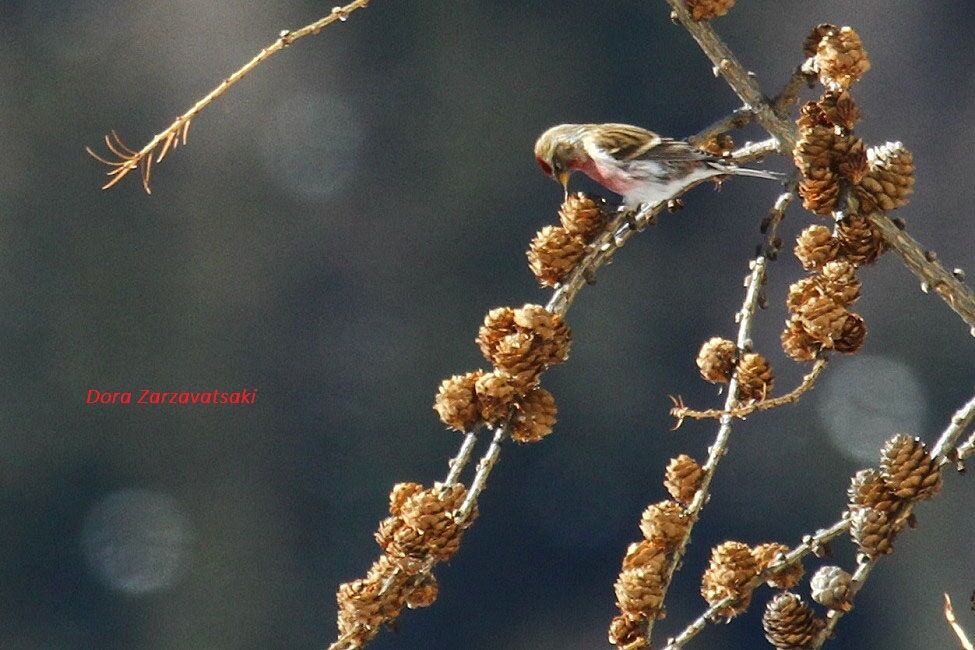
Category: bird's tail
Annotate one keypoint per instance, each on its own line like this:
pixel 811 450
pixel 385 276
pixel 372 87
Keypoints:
pixel 744 171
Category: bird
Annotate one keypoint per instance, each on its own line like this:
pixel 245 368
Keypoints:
pixel 641 166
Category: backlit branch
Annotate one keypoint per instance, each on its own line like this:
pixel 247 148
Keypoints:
pixel 126 159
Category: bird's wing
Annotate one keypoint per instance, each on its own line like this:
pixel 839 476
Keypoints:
pixel 629 143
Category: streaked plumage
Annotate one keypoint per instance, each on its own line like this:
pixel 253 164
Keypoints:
pixel 638 164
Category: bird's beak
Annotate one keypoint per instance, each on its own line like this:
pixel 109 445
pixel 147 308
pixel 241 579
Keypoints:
pixel 563 178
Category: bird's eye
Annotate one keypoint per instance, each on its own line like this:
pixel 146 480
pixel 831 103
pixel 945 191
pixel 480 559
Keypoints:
pixel 545 166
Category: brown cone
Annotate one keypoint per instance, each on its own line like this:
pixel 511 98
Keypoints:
pixel 425 530
pixel 497 393
pixel 802 291
pixel 797 343
pixel 534 416
pixel 639 591
pixel 664 523
pixel 850 156
pixel 682 478
pixel 789 623
pixel 553 253
pixel 889 180
pixel 498 323
pixel 868 490
pixel 841 59
pixel 823 319
pixel 852 335
pixel 872 531
pixel 820 189
pixel 628 631
pixel 423 594
pixel 860 242
pixel 811 44
pixel 755 377
pixel 708 9
pixel 716 360
pixel 732 565
pixel 839 109
pixel 908 469
pixel 399 494
pixel 815 246
pixel 785 578
pixel 644 554
pixel 839 281
pixel 583 215
pixel 456 401
pixel 832 587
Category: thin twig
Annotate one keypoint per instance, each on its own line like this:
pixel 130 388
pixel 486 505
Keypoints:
pixel 963 639
pixel 719 447
pixel 741 80
pixel 785 100
pixel 736 120
pixel 958 295
pixel 966 450
pixel 682 412
pixel 127 159
pixel 942 450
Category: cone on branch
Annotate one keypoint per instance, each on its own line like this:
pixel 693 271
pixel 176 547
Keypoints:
pixel 640 591
pixel 832 587
pixel 731 566
pixel 811 44
pixel 823 319
pixel 534 416
pixel 553 253
pixel 423 594
pixel 645 554
pixel 785 578
pixel 709 9
pixel 628 631
pixel 456 402
pixel 839 109
pixel 852 335
pixel 755 378
pixel 790 624
pixel 841 59
pixel 665 523
pixel 839 281
pixel 869 490
pixel 889 180
pixel 815 246
pixel 716 360
pixel 820 190
pixel 497 393
pixel 523 342
pixel 796 341
pixel 583 215
pixel 908 469
pixel 860 241
pixel 424 528
pixel 872 531
pixel 682 479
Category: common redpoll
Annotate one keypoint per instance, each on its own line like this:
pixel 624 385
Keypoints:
pixel 640 165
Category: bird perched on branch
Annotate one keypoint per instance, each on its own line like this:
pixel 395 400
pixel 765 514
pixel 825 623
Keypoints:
pixel 638 164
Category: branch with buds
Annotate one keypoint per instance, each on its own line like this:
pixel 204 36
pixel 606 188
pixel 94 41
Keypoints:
pixel 127 159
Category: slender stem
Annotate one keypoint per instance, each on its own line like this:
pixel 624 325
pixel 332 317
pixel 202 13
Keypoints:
pixel 719 447
pixel 741 80
pixel 681 412
pixel 933 276
pixel 966 643
pixel 736 120
pixel 129 160
pixel 459 462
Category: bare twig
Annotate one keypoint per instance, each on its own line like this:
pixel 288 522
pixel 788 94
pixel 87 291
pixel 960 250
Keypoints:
pixel 682 412
pixel 719 447
pixel 965 450
pixel 963 639
pixel 741 80
pixel 786 99
pixel 127 159
pixel 933 276
pixel 736 120
pixel 958 295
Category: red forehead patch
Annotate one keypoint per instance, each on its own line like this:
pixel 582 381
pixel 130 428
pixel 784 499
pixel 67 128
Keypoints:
pixel 544 165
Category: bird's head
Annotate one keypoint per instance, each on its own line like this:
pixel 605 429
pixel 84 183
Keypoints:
pixel 558 152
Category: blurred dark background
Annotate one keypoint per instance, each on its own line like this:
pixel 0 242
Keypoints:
pixel 333 235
